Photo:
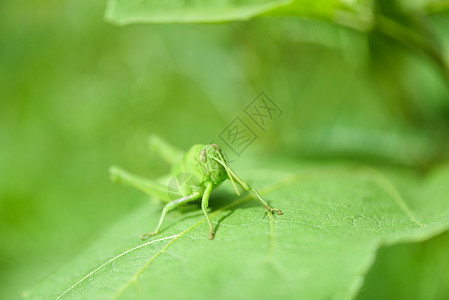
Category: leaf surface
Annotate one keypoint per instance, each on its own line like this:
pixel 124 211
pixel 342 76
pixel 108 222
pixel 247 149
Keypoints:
pixel 182 11
pixel 203 11
pixel 335 218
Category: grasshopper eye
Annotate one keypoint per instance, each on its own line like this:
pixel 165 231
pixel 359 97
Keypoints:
pixel 203 155
pixel 216 147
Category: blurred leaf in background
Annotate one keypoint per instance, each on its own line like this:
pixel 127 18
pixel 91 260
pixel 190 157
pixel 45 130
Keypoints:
pixel 361 81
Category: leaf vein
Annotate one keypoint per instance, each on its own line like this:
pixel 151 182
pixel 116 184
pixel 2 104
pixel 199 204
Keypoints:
pixel 110 261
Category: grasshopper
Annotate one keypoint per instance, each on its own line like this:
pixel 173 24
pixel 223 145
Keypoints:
pixel 207 168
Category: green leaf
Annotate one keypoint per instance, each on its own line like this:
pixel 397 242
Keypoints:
pixel 335 218
pixel 430 6
pixel 202 11
pixel 181 11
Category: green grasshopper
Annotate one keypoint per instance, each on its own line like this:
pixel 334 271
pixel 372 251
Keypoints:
pixel 207 168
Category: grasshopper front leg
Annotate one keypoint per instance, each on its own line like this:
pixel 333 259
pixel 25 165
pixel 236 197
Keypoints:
pixel 204 205
pixel 265 204
pixel 153 188
pixel 249 188
pixel 245 185
pixel 168 207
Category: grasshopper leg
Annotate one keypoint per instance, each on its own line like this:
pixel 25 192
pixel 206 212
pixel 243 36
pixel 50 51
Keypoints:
pixel 268 207
pixel 168 207
pixel 245 185
pixel 166 151
pixel 249 188
pixel 148 186
pixel 204 205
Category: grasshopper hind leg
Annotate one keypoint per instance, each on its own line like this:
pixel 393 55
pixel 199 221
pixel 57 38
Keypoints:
pixel 148 186
pixel 166 151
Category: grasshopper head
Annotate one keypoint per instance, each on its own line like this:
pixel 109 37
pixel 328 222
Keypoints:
pixel 213 161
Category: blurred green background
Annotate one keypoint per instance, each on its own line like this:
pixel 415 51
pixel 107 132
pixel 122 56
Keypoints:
pixel 79 94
